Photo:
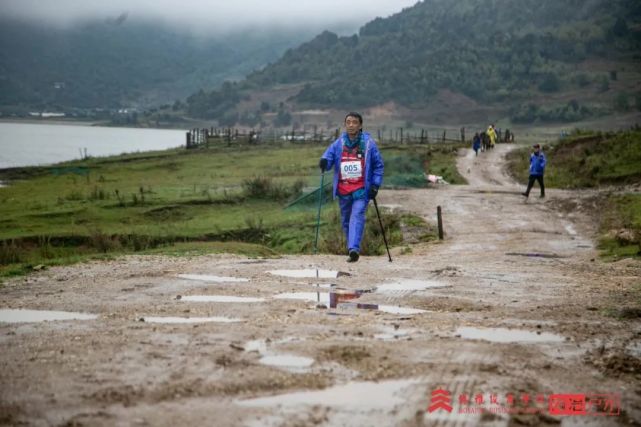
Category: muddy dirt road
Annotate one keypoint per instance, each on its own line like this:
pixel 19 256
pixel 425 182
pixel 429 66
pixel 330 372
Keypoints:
pixel 511 309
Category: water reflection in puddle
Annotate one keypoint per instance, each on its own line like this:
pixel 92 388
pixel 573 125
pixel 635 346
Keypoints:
pixel 259 346
pixel 394 309
pixel 504 335
pixel 190 319
pixel 210 278
pixel 305 296
pixel 287 361
pixel 401 285
pixel 347 306
pixel 321 274
pixel 219 298
pixel 357 396
pixel 25 316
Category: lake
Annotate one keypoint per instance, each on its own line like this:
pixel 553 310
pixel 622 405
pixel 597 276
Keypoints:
pixel 28 144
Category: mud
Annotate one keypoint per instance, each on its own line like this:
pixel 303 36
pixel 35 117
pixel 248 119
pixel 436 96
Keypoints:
pixel 118 370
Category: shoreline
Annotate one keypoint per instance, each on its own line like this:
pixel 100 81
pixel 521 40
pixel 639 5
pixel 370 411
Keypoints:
pixel 75 122
pixel 33 121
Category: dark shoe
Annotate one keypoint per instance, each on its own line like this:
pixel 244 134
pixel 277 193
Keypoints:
pixel 353 256
pixel 525 194
pixel 542 196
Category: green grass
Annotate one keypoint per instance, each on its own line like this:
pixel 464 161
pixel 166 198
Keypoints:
pixel 222 199
pixel 620 226
pixel 585 159
pixel 405 165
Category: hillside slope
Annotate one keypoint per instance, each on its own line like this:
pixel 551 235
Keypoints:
pixel 118 63
pixel 543 61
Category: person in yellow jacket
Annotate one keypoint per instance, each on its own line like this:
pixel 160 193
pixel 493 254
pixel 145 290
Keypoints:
pixel 492 134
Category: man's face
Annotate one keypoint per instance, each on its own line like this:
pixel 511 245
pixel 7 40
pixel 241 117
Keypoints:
pixel 536 150
pixel 352 125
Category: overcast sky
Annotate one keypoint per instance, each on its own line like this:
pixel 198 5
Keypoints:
pixel 215 15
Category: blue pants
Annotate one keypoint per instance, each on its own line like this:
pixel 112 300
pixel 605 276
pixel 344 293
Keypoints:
pixel 353 220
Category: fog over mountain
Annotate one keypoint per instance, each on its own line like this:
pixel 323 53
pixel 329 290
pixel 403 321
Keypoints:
pixel 210 16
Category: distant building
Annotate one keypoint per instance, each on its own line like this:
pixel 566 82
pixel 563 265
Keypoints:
pixel 45 115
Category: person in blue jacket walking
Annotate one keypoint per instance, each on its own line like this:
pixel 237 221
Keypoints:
pixel 358 174
pixel 537 169
pixel 476 143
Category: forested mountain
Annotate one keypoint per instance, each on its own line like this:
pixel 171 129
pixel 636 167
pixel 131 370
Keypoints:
pixel 122 63
pixel 494 52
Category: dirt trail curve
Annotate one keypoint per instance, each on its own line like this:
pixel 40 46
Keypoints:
pixel 514 302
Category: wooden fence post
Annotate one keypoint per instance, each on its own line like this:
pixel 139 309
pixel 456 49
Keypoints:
pixel 439 218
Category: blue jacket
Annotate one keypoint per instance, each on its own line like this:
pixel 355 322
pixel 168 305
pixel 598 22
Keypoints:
pixel 373 161
pixel 537 164
pixel 476 142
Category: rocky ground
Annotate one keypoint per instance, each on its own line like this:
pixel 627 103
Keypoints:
pixel 514 302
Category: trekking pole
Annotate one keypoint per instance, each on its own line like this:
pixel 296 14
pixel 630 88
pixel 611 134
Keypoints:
pixel 320 204
pixel 378 214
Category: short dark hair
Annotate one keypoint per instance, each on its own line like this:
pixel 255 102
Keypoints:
pixel 353 114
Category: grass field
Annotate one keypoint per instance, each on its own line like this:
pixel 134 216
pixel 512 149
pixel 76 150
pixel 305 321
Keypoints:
pixel 218 199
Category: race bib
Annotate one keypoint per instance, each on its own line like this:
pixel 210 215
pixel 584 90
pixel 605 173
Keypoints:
pixel 351 169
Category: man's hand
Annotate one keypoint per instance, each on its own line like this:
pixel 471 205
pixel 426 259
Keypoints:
pixel 373 191
pixel 323 164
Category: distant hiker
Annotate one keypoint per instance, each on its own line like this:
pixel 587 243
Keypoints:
pixel 492 134
pixel 485 141
pixel 358 174
pixel 537 168
pixel 476 143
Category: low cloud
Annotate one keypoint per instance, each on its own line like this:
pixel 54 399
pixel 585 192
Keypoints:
pixel 213 16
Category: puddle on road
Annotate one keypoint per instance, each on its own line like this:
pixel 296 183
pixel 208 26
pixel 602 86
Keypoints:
pixel 356 396
pixel 210 278
pixel 305 296
pixel 25 316
pixel 403 285
pixel 219 298
pixel 320 285
pixel 504 335
pixel 287 361
pixel 189 319
pixel 394 309
pixel 322 274
pixel 259 346
pixel 326 299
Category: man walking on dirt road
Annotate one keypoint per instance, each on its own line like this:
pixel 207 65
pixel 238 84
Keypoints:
pixel 358 174
pixel 537 168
